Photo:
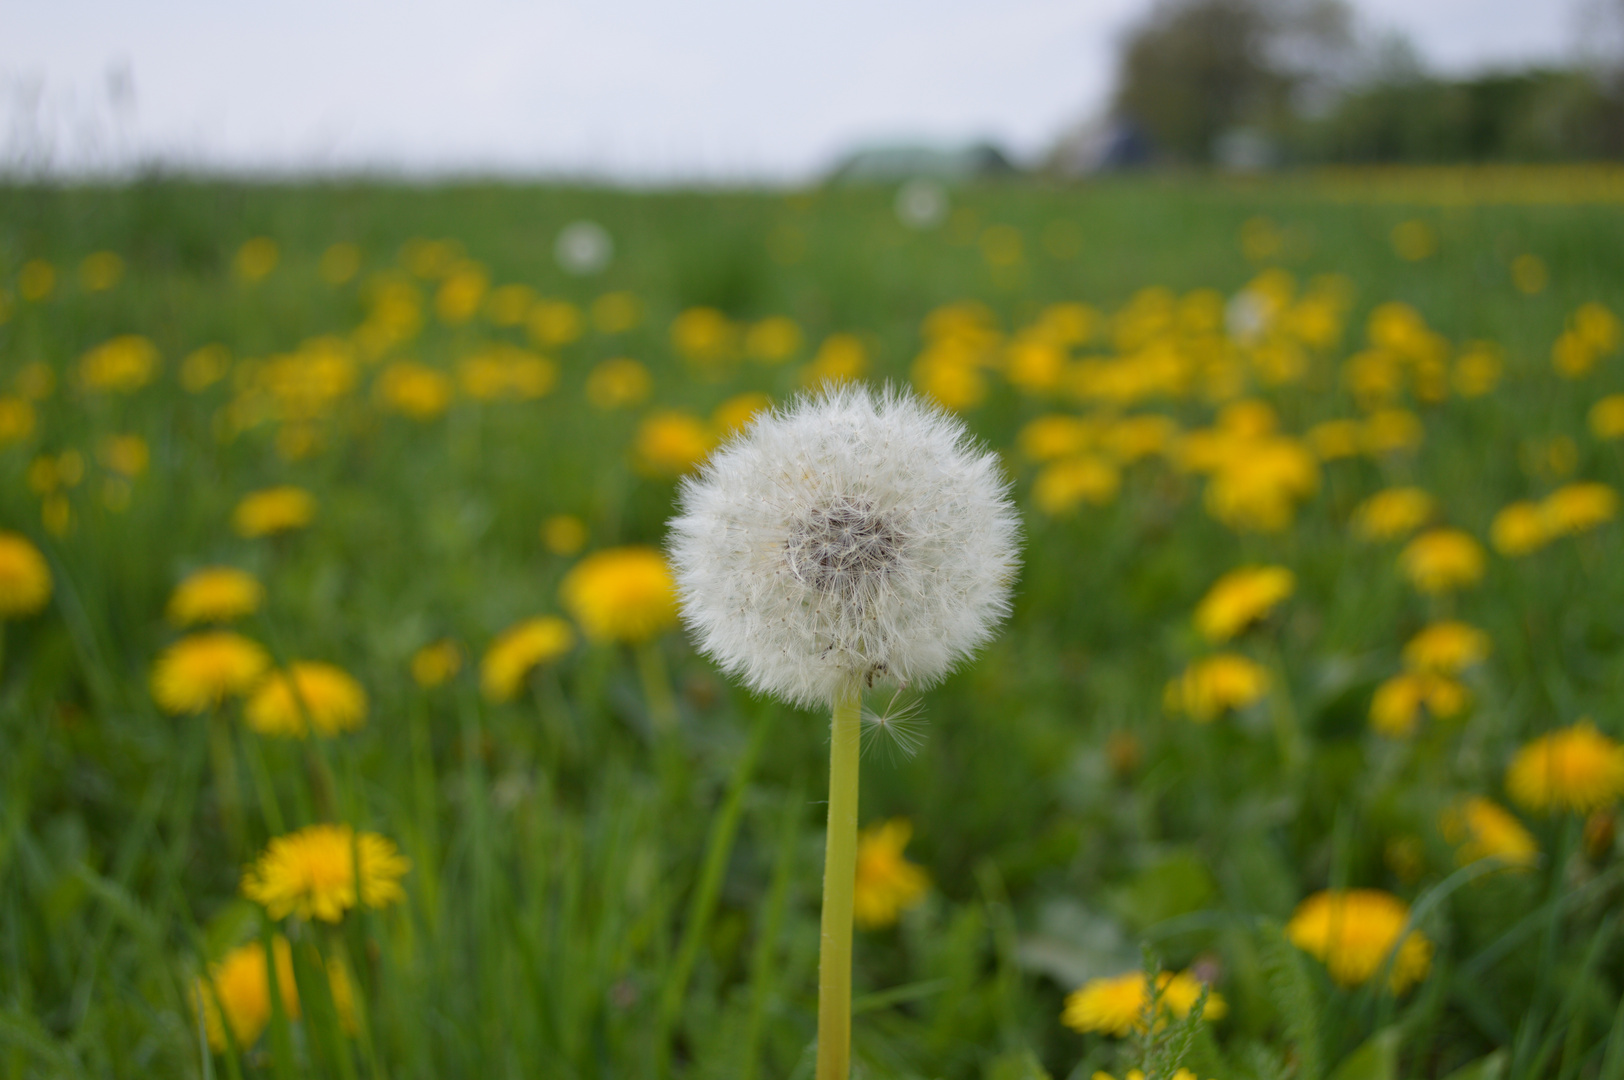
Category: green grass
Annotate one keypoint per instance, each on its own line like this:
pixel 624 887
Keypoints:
pixel 582 906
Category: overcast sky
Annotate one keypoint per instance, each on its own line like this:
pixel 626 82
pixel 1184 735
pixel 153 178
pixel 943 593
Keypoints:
pixel 640 89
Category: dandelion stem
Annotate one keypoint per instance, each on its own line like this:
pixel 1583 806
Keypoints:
pixel 662 703
pixel 839 882
pixel 227 791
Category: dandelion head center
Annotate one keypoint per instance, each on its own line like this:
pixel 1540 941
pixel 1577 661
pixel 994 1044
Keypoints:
pixel 841 547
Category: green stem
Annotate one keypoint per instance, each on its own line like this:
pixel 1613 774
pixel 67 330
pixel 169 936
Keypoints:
pixel 264 786
pixel 662 703
pixel 227 791
pixel 839 883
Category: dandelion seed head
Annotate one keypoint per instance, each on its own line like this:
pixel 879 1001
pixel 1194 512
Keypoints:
pixel 853 535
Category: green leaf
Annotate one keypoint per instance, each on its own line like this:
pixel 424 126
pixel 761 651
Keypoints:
pixel 1176 885
pixel 1377 1059
pixel 1489 1067
pixel 1015 1065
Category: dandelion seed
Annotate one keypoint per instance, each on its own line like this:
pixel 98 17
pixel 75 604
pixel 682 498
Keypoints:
pixel 900 726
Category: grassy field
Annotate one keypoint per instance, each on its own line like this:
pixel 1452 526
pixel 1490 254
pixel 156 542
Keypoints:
pixel 615 854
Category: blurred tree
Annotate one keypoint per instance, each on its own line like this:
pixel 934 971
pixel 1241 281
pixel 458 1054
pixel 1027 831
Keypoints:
pixel 1536 115
pixel 1195 69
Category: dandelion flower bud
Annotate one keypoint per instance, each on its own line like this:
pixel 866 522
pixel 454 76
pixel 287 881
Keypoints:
pixel 851 536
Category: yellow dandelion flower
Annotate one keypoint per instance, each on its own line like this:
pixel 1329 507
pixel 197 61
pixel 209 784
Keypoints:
pixel 1481 829
pixel 1447 648
pixel 1478 369
pixel 841 358
pixel 1134 438
pixel 735 414
pixel 1529 274
pixel 1577 508
pixel 1056 436
pixel 1607 417
pixel 256 258
pixel 239 986
pixel 1034 366
pixel 1066 484
pixel 199 672
pixel 670 443
pixel 621 594
pixel 1395 709
pixel 1214 685
pixel 1116 1005
pixel 1353 932
pixel 339 263
pixel 122 365
pixel 414 390
pixel 616 312
pixel 1256 488
pixel 563 534
pixel 1573 356
pixel 1393 513
pixel 100 271
pixel 308 695
pixel 127 455
pixel 618 383
pixel 435 663
pixel 311 874
pixel 36 280
pixel 520 648
pixel 1442 560
pixel 1241 598
pixel 1520 528
pixel 17 419
pixel 25 579
pixel 273 510
pixel 1598 326
pixel 1575 769
pixel 1414 240
pixel 704 335
pixel 215 594
pixel 887 883
pixel 203 367
pixel 461 293
pixel 773 340
pixel 36 381
pixel 1333 440
pixel 1388 431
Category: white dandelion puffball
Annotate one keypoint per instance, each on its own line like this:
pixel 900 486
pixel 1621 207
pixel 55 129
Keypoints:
pixel 921 204
pixel 850 536
pixel 583 247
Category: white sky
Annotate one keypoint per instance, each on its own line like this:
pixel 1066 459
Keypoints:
pixel 641 89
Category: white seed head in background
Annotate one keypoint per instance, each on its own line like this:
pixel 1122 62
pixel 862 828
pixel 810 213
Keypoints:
pixel 850 536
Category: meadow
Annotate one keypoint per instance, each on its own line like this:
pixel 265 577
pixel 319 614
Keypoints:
pixel 331 507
